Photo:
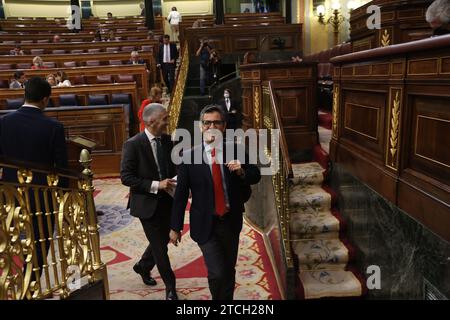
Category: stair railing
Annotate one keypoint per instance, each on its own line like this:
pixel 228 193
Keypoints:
pixel 178 92
pixel 69 250
pixel 272 120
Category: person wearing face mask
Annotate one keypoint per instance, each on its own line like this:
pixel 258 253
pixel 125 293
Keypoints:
pixel 230 109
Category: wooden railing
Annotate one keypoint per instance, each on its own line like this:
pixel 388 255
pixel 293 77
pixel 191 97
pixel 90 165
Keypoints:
pixel 61 221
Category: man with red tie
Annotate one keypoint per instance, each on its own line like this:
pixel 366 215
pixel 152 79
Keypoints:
pixel 220 185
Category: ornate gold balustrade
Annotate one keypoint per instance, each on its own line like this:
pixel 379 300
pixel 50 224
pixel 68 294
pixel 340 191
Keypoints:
pixel 278 226
pixel 55 223
pixel 177 99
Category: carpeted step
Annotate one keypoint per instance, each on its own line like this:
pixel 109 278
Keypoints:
pixel 310 173
pixel 319 251
pixel 329 283
pixel 301 236
pixel 322 266
pixel 325 119
pixel 319 223
pixel 302 197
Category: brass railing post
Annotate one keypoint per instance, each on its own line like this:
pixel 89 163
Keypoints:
pixel 93 228
pixel 88 188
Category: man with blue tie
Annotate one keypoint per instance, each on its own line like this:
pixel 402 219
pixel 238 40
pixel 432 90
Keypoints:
pixel 146 168
pixel 219 190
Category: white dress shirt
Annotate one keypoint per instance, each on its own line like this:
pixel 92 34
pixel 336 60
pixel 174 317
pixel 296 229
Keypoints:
pixel 166 58
pixel 228 103
pixel 155 184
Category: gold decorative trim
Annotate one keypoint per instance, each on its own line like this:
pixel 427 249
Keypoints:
pixel 393 140
pixel 69 250
pixel 393 128
pixel 177 99
pixel 356 131
pixel 417 132
pixel 335 111
pixel 385 38
pixel 257 107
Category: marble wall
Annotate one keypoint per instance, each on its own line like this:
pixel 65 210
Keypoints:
pixel 406 251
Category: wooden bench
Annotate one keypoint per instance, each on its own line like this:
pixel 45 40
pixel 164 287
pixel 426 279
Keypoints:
pixel 89 23
pixel 254 18
pixel 90 74
pixel 106 125
pixel 65 37
pixel 82 93
pixel 80 59
pixel 85 46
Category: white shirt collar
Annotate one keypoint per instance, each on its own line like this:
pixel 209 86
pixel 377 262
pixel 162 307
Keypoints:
pixel 149 135
pixel 30 106
pixel 209 146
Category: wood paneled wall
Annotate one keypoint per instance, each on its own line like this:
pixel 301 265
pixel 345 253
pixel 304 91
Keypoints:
pixel 239 39
pixel 295 88
pixel 391 125
pixel 401 21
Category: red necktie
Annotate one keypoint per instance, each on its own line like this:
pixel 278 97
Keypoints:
pixel 219 194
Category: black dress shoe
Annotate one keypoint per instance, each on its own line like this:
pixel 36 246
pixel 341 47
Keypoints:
pixel 171 295
pixel 146 278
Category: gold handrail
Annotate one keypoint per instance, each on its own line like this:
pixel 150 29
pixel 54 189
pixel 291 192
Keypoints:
pixel 177 99
pixel 280 180
pixel 49 239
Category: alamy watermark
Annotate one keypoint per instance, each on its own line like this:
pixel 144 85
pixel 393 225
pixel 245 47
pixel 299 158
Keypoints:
pixel 374 21
pixel 259 147
pixel 74 280
pixel 74 19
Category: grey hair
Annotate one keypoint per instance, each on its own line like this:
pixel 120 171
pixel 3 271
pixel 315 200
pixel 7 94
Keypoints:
pixel 134 53
pixel 151 110
pixel 439 9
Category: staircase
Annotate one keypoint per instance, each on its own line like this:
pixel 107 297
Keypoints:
pixel 322 255
pixel 193 102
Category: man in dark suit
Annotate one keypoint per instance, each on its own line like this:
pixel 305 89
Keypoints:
pixel 146 168
pixel 219 190
pixel 27 134
pixel 230 109
pixel 167 57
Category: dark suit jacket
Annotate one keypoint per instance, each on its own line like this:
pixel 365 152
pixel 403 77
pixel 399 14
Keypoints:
pixel 233 119
pixel 29 135
pixel 138 169
pixel 198 179
pixel 173 52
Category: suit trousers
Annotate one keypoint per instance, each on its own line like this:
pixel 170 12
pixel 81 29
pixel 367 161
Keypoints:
pixel 220 254
pixel 168 71
pixel 157 230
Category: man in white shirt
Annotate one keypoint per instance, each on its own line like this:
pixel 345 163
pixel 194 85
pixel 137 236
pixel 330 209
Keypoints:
pixel 147 169
pixel 167 57
pixel 174 19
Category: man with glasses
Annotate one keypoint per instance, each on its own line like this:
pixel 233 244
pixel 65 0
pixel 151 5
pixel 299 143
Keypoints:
pixel 220 185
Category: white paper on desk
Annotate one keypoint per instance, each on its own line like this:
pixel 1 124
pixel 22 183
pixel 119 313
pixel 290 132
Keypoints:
pixel 171 191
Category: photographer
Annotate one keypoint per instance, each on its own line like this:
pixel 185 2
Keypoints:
pixel 204 52
pixel 214 60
